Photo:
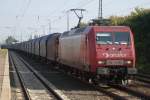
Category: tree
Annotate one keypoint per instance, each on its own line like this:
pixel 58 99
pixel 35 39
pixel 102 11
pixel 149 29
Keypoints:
pixel 10 40
pixel 83 24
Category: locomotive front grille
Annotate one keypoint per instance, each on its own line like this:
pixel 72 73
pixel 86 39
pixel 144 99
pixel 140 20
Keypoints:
pixel 114 62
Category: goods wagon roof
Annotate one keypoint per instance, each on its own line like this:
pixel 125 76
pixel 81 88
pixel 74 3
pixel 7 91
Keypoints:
pixel 45 38
pixel 33 41
pixel 53 36
pixel 38 40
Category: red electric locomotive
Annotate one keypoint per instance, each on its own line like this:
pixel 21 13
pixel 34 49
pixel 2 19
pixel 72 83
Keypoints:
pixel 99 52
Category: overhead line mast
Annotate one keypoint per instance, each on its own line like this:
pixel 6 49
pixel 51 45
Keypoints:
pixel 100 10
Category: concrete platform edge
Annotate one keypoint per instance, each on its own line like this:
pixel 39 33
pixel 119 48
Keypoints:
pixel 6 90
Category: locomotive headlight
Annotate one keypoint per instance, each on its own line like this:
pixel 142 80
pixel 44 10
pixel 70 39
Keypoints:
pixel 128 62
pixel 101 62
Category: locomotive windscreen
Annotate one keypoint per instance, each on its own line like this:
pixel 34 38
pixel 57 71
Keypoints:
pixel 113 38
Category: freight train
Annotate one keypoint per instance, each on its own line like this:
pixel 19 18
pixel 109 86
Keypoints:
pixel 95 53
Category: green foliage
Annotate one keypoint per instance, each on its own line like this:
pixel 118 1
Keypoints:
pixel 82 24
pixel 139 21
pixel 10 40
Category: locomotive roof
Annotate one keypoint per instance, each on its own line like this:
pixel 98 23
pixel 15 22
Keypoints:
pixel 86 29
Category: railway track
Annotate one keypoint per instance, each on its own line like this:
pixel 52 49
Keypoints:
pixel 73 93
pixel 132 91
pixel 143 77
pixel 116 93
pixel 33 86
pixel 24 89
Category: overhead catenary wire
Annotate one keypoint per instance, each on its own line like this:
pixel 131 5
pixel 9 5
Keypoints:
pixel 19 18
pixel 56 10
pixel 27 7
pixel 85 4
pixel 63 15
pixel 90 1
pixel 82 4
pixel 23 12
pixel 79 4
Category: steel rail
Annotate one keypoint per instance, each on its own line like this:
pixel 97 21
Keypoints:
pixel 143 75
pixel 40 79
pixel 100 89
pixel 25 91
pixel 143 78
pixel 132 92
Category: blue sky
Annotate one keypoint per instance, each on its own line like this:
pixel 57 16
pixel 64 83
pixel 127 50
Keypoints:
pixel 23 18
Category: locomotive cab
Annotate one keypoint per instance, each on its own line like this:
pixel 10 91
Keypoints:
pixel 115 52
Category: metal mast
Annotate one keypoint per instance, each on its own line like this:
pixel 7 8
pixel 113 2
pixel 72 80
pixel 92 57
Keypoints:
pixel 100 10
pixel 49 24
pixel 67 20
